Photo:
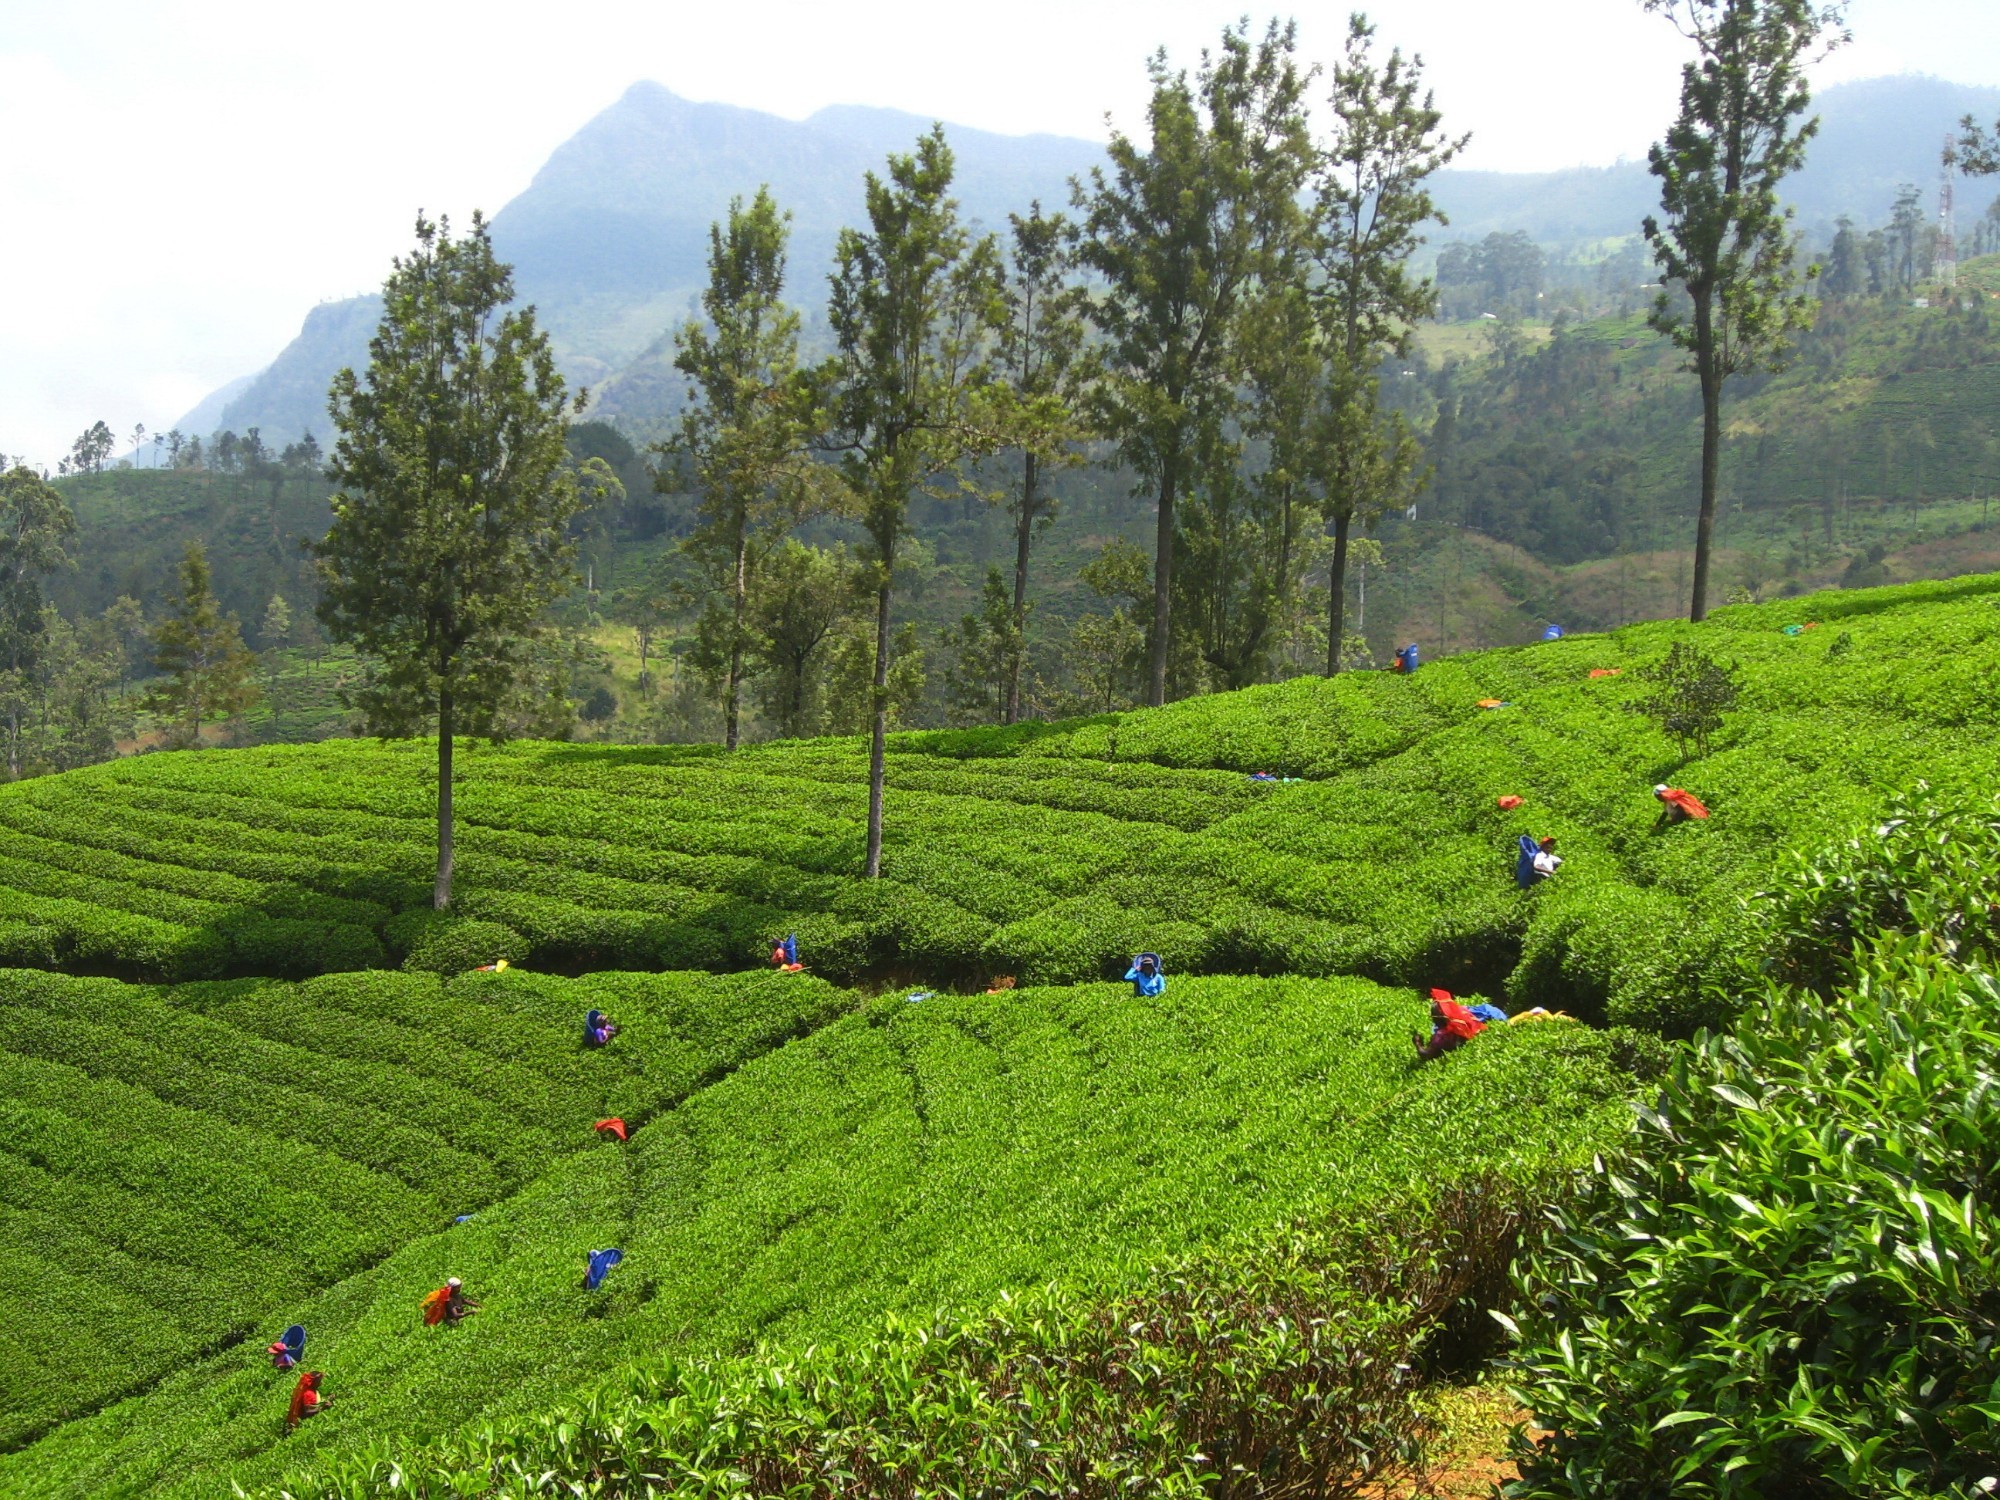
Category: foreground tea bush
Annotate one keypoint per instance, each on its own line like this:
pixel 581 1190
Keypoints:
pixel 1286 1366
pixel 1789 1281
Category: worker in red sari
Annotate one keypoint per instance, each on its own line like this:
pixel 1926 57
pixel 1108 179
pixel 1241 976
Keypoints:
pixel 306 1400
pixel 1452 1026
pixel 448 1304
pixel 1677 805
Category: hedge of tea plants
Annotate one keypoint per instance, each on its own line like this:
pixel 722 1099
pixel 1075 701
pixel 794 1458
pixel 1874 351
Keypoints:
pixel 180 1167
pixel 1051 852
pixel 1789 1283
pixel 909 1157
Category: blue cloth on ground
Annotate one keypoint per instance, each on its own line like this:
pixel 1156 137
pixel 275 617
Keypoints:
pixel 601 1262
pixel 1487 1012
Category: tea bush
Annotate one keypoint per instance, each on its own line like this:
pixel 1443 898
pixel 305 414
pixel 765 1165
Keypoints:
pixel 1788 1282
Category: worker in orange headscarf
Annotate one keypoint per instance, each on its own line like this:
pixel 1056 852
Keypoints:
pixel 306 1399
pixel 1677 805
pixel 447 1304
pixel 1452 1025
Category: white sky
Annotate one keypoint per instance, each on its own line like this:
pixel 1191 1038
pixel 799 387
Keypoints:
pixel 181 180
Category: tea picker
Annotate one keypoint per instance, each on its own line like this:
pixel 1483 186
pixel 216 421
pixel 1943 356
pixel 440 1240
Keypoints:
pixel 306 1400
pixel 289 1349
pixel 1677 805
pixel 598 1029
pixel 448 1304
pixel 1145 976
pixel 1452 1026
pixel 1536 862
pixel 785 955
pixel 1406 660
pixel 598 1266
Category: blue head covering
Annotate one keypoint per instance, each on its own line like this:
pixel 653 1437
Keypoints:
pixel 1524 867
pixel 601 1262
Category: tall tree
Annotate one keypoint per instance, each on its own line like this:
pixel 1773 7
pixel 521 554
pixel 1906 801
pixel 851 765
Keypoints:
pixel 275 633
pixel 1370 200
pixel 1179 229
pixel 978 655
pixel 746 424
pixel 88 452
pixel 200 650
pixel 1038 368
pixel 448 541
pixel 1725 240
pixel 1906 231
pixel 35 523
pixel 913 302
pixel 809 593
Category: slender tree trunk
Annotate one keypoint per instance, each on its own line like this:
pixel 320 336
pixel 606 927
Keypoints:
pixel 1023 534
pixel 1711 451
pixel 1361 599
pixel 878 726
pixel 737 604
pixel 441 892
pixel 1336 609
pixel 1163 568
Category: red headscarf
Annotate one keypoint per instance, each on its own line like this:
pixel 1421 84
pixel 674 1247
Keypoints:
pixel 1455 1018
pixel 305 1399
pixel 1685 800
pixel 612 1126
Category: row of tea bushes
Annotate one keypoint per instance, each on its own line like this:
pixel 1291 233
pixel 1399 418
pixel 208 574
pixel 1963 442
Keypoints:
pixel 908 1157
pixel 1037 852
pixel 180 1165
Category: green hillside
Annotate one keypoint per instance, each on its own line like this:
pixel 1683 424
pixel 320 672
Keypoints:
pixel 913 1235
pixel 182 1165
pixel 910 1156
pixel 1050 852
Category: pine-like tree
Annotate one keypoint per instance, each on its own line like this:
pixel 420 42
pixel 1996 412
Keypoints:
pixel 1724 239
pixel 449 538
pixel 201 652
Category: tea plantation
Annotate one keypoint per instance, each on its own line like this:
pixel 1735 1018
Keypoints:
pixel 886 1234
pixel 908 1156
pixel 1052 852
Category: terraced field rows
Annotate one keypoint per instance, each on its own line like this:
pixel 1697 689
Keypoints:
pixel 907 1157
pixel 1050 852
pixel 179 1166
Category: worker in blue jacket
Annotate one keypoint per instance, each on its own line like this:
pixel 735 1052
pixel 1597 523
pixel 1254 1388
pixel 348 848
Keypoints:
pixel 1145 976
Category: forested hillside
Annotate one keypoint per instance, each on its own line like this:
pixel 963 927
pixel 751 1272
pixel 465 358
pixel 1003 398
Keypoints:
pixel 1563 458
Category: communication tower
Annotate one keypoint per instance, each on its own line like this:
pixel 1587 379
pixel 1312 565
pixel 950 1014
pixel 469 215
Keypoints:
pixel 1947 252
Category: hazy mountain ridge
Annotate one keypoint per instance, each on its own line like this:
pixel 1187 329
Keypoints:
pixel 609 240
